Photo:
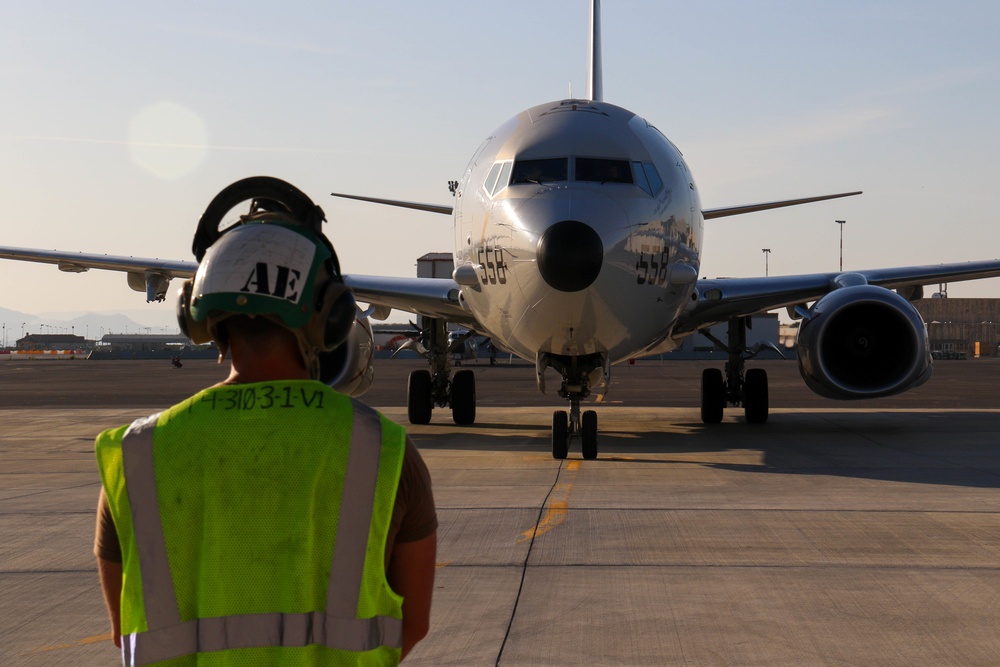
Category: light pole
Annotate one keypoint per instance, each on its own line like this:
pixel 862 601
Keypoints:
pixel 841 223
pixel 767 255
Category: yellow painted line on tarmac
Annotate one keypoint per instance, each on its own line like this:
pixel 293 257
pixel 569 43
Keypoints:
pixel 558 506
pixel 80 642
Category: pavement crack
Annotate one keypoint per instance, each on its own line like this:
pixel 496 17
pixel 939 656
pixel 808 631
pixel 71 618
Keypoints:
pixel 524 564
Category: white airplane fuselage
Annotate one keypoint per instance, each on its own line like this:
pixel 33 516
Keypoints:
pixel 592 257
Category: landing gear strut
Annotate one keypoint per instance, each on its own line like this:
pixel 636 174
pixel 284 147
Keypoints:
pixel 567 427
pixel 574 428
pixel 740 387
pixel 427 389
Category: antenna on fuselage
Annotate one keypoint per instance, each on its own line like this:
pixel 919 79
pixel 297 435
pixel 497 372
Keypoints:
pixel 595 76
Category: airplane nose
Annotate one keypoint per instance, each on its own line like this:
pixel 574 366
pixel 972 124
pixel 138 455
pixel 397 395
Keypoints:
pixel 570 255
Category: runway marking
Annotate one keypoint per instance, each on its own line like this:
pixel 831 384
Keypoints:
pixel 558 506
pixel 80 642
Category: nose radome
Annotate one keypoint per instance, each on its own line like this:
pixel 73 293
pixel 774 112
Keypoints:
pixel 570 255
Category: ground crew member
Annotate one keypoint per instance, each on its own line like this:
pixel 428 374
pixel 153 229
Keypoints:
pixel 267 520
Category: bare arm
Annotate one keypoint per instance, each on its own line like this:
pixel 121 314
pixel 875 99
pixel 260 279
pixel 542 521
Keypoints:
pixel 411 574
pixel 111 584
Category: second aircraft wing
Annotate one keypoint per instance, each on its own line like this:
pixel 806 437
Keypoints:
pixel 722 298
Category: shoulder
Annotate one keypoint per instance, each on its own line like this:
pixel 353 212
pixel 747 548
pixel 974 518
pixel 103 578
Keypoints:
pixel 111 435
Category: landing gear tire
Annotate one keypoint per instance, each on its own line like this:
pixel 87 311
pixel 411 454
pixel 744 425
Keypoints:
pixel 463 397
pixel 418 397
pixel 755 403
pixel 560 434
pixel 588 433
pixel 713 396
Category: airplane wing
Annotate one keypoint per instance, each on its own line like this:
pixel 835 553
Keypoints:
pixel 711 213
pixel 722 298
pixel 148 275
pixel 416 206
pixel 78 262
pixel 434 297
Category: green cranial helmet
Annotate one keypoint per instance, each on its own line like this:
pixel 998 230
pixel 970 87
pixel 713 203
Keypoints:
pixel 263 268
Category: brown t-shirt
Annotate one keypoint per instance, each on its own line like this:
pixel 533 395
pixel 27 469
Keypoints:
pixel 413 516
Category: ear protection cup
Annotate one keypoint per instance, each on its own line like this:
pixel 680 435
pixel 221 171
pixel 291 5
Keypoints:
pixel 335 312
pixel 197 332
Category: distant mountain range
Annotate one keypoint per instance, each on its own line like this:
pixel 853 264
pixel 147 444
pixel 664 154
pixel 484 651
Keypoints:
pixel 14 324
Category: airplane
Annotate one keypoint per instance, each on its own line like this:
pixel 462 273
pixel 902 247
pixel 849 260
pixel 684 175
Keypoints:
pixel 578 237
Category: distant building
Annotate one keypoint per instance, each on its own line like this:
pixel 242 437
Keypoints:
pixel 33 342
pixel 956 327
pixel 435 265
pixel 151 346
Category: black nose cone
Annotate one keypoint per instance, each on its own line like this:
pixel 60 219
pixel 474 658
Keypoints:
pixel 570 255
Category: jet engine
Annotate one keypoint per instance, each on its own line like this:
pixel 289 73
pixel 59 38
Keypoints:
pixel 863 341
pixel 348 368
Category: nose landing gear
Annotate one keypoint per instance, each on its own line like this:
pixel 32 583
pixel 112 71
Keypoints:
pixel 573 426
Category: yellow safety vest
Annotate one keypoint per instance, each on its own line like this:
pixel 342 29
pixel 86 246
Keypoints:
pixel 251 533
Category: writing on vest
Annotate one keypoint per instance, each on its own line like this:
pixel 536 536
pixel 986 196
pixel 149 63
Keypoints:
pixel 259 397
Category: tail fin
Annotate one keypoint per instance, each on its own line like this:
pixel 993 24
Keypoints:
pixel 595 75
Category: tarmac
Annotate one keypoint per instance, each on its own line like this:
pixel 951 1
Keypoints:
pixel 861 533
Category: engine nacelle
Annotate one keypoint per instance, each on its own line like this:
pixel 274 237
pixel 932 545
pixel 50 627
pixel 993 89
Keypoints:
pixel 863 341
pixel 349 369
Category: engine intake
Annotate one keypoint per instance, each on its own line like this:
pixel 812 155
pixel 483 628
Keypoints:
pixel 863 342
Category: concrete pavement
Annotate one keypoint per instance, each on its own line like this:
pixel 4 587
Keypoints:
pixel 828 536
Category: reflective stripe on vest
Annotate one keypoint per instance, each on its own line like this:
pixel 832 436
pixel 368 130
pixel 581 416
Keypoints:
pixel 337 628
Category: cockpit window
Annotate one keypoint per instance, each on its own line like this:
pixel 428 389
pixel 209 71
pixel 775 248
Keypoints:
pixel 491 180
pixel 540 171
pixel 655 182
pixel 646 177
pixel 640 177
pixel 504 177
pixel 603 170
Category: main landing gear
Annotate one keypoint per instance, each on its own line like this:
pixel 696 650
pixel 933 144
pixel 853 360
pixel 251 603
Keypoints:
pixel 740 387
pixel 572 426
pixel 429 388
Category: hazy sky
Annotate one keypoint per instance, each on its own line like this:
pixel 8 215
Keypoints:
pixel 119 122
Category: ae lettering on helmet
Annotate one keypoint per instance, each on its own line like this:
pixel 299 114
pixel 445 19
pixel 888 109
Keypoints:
pixel 285 283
